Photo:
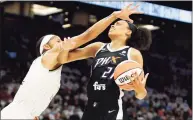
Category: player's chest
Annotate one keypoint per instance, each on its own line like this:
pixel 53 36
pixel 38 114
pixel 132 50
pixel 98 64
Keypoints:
pixel 109 59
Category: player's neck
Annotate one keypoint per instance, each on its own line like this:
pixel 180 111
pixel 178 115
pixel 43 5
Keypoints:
pixel 116 44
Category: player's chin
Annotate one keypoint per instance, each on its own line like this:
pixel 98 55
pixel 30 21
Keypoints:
pixel 111 34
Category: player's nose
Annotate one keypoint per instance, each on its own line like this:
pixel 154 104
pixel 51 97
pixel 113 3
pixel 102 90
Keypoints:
pixel 112 26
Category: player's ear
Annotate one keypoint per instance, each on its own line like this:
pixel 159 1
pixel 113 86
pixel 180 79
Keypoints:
pixel 128 33
pixel 46 47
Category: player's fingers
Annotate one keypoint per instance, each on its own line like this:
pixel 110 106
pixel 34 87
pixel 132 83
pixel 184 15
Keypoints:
pixel 128 87
pixel 134 74
pixel 36 118
pixel 65 44
pixel 132 77
pixel 135 7
pixel 135 78
pixel 145 78
pixel 130 20
pixel 61 45
pixel 128 6
pixel 136 12
pixel 65 38
pixel 135 81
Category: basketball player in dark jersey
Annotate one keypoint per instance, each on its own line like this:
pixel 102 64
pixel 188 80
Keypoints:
pixel 104 96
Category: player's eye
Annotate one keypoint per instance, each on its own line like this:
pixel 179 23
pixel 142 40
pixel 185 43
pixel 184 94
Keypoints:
pixel 118 23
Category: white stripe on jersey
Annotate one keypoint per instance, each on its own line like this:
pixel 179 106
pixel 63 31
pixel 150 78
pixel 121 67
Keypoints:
pixel 120 112
pixel 100 49
pixel 109 48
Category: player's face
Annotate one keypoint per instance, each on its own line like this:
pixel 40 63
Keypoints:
pixel 54 40
pixel 121 27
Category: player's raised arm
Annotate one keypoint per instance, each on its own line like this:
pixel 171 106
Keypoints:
pixel 101 25
pixel 94 31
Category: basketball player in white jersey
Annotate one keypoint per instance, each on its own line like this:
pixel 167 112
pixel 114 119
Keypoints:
pixel 42 81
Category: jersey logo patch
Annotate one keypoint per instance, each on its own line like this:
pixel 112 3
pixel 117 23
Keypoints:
pixel 114 59
pixel 99 86
pixel 94 104
pixel 110 111
pixel 123 53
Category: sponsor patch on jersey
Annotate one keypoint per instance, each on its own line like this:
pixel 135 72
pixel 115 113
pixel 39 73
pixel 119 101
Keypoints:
pixel 99 86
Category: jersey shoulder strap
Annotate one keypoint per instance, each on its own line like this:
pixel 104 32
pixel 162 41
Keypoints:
pixel 129 53
pixel 103 48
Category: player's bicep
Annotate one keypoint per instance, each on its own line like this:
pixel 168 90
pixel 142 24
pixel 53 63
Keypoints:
pixel 79 40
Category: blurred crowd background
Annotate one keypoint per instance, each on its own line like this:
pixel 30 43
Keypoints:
pixel 169 60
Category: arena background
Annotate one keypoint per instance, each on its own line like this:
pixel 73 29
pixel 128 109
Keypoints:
pixel 168 61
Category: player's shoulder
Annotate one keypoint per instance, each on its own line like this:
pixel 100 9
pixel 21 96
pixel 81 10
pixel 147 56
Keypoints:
pixel 136 56
pixel 39 57
pixel 36 60
pixel 96 47
pixel 99 44
pixel 134 52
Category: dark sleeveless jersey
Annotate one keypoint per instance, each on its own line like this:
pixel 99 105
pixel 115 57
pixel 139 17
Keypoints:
pixel 102 85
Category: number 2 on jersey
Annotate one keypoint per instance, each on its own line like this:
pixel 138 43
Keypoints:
pixel 107 72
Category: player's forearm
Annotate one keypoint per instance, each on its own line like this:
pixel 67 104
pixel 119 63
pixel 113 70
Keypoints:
pixel 141 94
pixel 94 31
pixel 62 57
pixel 100 26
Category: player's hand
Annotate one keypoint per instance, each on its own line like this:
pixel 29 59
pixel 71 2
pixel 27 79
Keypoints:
pixel 68 44
pixel 126 12
pixel 65 45
pixel 136 84
pixel 36 118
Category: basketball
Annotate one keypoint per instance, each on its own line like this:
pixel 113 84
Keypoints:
pixel 124 71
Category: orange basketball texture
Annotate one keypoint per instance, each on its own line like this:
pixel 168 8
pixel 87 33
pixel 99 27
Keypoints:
pixel 124 69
